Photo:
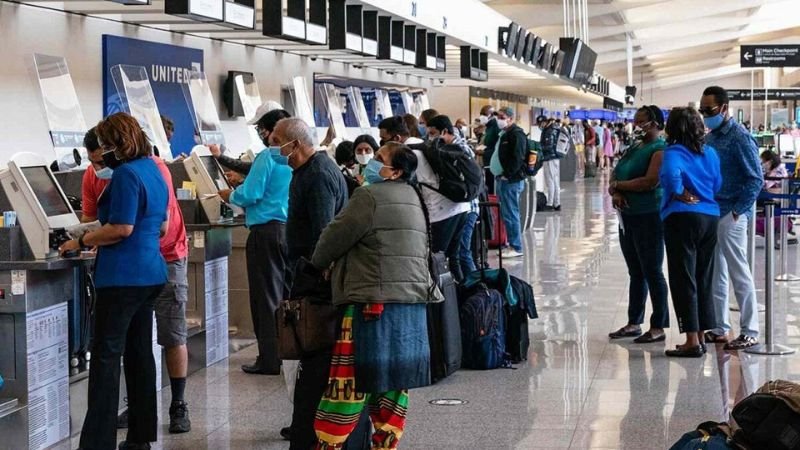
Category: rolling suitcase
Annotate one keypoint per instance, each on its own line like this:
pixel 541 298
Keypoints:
pixel 444 326
pixel 499 238
pixel 79 312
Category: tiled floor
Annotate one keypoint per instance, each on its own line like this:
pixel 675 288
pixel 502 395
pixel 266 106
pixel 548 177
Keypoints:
pixel 577 390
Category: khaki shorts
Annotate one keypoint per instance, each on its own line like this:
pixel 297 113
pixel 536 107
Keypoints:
pixel 171 306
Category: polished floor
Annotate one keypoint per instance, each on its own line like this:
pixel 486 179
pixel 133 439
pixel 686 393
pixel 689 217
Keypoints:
pixel 577 390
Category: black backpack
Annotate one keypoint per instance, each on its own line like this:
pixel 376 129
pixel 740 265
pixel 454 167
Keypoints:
pixel 767 421
pixel 460 177
pixel 555 143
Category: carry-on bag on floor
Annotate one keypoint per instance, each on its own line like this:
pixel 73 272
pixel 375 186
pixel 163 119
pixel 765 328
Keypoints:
pixel 80 311
pixel 483 330
pixel 444 327
pixel 590 170
pixel 499 238
pixel 769 418
pixel 707 436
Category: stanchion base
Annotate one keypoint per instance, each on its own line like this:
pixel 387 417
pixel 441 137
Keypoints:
pixel 770 349
pixel 787 277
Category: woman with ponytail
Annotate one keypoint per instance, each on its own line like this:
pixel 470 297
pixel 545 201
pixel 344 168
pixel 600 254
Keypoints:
pixel 379 247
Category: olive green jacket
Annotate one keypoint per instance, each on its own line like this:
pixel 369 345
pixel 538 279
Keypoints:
pixel 379 247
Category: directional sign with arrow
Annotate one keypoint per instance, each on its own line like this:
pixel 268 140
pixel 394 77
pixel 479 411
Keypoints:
pixel 770 55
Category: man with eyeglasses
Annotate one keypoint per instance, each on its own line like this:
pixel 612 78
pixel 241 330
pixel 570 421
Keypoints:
pixel 741 183
pixel 264 195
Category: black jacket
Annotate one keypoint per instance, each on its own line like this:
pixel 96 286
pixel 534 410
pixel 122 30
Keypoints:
pixel 513 153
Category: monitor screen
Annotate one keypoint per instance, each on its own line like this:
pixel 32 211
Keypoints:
pixel 214 170
pixel 46 191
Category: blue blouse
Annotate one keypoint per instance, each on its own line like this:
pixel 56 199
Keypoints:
pixel 683 169
pixel 137 195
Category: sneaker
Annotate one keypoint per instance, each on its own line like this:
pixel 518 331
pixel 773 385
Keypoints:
pixel 179 418
pixel 511 253
pixel 742 342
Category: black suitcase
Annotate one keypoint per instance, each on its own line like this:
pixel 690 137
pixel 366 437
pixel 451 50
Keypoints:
pixel 80 311
pixel 444 326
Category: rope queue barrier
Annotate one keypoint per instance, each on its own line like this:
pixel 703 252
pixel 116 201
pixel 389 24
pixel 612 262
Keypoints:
pixel 768 347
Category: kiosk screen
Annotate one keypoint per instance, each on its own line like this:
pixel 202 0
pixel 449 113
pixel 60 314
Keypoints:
pixel 46 191
pixel 214 171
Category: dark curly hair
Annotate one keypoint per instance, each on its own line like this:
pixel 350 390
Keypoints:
pixel 344 154
pixel 685 127
pixel 654 113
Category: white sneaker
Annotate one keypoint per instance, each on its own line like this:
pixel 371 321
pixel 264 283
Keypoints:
pixel 511 253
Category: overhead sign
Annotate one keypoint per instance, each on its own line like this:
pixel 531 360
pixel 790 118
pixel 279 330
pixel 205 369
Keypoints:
pixel 770 55
pixel 168 68
pixel 758 94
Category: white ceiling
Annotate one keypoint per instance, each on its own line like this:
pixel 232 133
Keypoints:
pixel 675 42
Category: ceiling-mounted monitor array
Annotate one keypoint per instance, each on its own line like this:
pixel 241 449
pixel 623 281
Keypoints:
pixel 474 64
pixel 579 60
pixel 391 39
pixel 346 26
pixel 238 14
pixel 287 19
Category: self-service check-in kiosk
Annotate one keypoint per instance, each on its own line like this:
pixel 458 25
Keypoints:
pixel 210 224
pixel 39 295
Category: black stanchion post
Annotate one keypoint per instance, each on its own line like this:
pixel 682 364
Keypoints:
pixel 768 347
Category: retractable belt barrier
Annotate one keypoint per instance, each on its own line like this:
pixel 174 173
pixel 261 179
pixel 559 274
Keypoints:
pixel 789 199
pixel 769 347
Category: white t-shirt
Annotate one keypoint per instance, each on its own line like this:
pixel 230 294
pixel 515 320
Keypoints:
pixel 439 207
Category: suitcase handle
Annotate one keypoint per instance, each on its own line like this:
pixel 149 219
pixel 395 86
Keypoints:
pixel 482 237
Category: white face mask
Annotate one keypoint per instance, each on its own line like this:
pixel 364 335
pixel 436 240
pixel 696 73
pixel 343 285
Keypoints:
pixel 483 120
pixel 502 123
pixel 364 159
pixel 465 131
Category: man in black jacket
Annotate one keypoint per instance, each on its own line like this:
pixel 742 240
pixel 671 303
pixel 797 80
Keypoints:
pixel 316 194
pixel 508 166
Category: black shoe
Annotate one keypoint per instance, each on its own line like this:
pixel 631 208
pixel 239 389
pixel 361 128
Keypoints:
pixel 648 338
pixel 286 433
pixel 622 333
pixel 122 420
pixel 256 369
pixel 125 445
pixel 179 418
pixel 547 208
pixel 693 352
pixel 557 208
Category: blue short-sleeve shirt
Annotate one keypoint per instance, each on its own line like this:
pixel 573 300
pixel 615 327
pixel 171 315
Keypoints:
pixel 136 196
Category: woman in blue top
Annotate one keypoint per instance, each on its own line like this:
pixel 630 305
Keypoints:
pixel 690 177
pixel 129 274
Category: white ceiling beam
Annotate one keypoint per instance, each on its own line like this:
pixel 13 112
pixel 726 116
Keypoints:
pixel 531 14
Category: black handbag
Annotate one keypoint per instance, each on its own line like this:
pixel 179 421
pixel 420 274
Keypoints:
pixel 307 321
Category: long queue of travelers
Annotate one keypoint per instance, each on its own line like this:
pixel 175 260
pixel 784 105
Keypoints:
pixel 368 216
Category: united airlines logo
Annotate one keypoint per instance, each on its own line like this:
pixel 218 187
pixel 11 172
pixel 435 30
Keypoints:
pixel 172 74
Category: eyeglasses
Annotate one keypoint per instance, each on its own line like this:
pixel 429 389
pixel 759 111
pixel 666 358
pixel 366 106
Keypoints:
pixel 708 111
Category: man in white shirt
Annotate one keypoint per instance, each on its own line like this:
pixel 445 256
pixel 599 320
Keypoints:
pixel 447 217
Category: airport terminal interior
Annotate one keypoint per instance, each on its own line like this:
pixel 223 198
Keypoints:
pixel 415 224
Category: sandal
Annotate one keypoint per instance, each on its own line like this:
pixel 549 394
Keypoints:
pixel 742 342
pixel 714 338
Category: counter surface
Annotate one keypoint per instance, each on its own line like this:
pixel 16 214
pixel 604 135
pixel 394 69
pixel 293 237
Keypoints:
pixel 47 264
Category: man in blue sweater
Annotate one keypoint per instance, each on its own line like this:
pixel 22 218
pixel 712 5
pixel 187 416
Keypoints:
pixel 741 183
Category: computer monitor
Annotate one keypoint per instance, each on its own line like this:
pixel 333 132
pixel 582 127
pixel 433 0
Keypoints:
pixel 39 201
pixel 208 177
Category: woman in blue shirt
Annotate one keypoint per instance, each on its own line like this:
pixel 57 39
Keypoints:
pixel 690 177
pixel 129 274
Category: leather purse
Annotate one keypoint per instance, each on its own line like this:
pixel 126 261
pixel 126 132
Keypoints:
pixel 306 322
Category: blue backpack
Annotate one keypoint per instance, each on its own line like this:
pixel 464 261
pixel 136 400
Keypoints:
pixel 707 436
pixel 483 331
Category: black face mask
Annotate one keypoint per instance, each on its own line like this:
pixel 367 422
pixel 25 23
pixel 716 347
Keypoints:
pixel 111 160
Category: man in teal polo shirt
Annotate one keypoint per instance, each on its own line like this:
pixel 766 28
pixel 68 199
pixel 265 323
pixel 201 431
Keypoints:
pixel 265 197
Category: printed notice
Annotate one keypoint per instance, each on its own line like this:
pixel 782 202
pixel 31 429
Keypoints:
pixel 216 299
pixel 18 279
pixel 48 383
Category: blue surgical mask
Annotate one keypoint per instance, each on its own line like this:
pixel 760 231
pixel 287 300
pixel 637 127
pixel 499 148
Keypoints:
pixel 423 131
pixel 714 122
pixel 279 159
pixel 373 172
pixel 104 173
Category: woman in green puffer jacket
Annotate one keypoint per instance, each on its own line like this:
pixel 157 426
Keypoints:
pixel 379 246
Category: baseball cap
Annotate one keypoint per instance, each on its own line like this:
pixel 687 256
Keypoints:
pixel 266 107
pixel 541 119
